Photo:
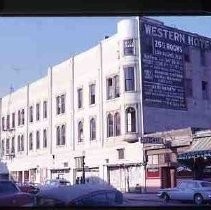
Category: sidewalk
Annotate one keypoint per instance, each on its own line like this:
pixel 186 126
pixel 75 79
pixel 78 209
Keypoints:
pixel 142 197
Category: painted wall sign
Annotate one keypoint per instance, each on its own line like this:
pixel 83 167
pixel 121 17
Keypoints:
pixel 162 60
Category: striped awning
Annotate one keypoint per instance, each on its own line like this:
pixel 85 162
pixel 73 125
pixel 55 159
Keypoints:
pixel 201 147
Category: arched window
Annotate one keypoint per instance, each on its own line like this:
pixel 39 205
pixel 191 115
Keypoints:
pixel 19 143
pixel 30 141
pixel 80 132
pixel 58 135
pixel 22 143
pixel 110 125
pixel 92 129
pixel 45 138
pixel 37 140
pixel 131 119
pixel 117 125
pixel 63 135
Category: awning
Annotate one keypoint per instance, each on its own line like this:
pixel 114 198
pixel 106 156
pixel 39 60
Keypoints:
pixel 201 147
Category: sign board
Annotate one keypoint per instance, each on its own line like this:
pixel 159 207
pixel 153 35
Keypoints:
pixel 162 61
pixel 151 140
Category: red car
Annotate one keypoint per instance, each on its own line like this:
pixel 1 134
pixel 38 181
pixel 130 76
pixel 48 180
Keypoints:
pixel 11 195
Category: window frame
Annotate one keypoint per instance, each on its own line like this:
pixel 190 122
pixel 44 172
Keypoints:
pixel 37 140
pixel 80 131
pixel 92 96
pixel 45 109
pixel 38 111
pixel 130 83
pixel 129 48
pixel 30 141
pixel 92 128
pixel 80 97
pixel 110 125
pixel 132 123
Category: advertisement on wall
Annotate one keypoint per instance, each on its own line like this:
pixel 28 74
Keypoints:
pixel 162 59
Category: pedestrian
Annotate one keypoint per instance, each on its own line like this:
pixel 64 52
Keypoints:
pixel 77 180
pixel 81 180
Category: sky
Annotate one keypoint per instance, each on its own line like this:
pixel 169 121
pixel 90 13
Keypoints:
pixel 29 45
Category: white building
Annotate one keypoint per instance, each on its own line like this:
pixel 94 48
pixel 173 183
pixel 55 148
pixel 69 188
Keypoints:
pixel 91 105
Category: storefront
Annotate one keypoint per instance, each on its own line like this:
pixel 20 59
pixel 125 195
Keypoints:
pixel 63 173
pixel 125 177
pixel 198 157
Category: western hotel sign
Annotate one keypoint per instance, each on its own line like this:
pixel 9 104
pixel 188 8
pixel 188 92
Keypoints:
pixel 162 60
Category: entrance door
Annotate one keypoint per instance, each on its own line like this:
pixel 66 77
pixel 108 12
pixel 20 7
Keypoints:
pixel 168 178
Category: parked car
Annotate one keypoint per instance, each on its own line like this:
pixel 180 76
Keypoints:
pixel 79 195
pixel 57 182
pixel 11 195
pixel 28 187
pixel 189 190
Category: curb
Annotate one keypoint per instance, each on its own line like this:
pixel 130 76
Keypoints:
pixel 133 199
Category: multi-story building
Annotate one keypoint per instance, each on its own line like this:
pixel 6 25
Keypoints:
pixel 94 106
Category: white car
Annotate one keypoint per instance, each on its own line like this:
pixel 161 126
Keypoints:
pixel 57 182
pixel 191 190
pixel 79 195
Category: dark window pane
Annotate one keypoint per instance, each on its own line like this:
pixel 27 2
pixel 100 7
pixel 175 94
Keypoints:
pixel 129 47
pixel 129 79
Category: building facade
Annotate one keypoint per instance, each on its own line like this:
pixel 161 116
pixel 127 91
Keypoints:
pixel 97 104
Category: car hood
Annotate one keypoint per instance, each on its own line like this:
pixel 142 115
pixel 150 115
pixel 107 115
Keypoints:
pixel 206 189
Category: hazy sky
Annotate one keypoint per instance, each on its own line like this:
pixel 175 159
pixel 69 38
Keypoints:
pixel 30 45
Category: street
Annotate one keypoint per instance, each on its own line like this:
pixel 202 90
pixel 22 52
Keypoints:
pixel 132 199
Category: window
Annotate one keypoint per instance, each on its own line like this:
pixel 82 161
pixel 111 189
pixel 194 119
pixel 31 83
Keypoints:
pixel 37 140
pixel 188 88
pixel 31 114
pixel 58 106
pixel 129 79
pixel 63 134
pixel 58 135
pixel 92 93
pixel 44 138
pixel 80 99
pixel 80 132
pixel 30 141
pixel 8 121
pixel 2 147
pixel 131 119
pixel 37 112
pixel 19 117
pixel 116 88
pixel 129 47
pixel 117 127
pixel 19 143
pixel 113 87
pixel 13 120
pixel 204 90
pixel 7 146
pixel 45 109
pixel 110 124
pixel 22 143
pixel 22 116
pixel 121 153
pixel 3 123
pixel 63 103
pixel 109 88
pixel 92 129
pixel 13 145
pixel 203 57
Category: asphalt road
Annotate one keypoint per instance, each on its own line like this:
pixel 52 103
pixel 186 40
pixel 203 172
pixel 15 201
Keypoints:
pixel 150 200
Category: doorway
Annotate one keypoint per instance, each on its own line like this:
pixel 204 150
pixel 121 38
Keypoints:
pixel 168 177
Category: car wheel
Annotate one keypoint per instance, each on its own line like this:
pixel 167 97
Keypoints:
pixel 166 198
pixel 198 199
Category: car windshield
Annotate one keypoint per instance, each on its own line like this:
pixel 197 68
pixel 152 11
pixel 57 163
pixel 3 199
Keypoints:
pixel 7 187
pixel 206 184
